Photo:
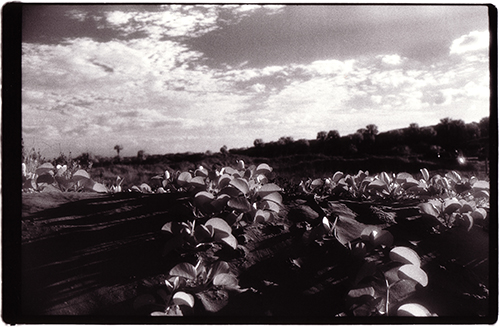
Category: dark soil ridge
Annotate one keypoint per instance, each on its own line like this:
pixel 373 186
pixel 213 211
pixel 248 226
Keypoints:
pixel 84 254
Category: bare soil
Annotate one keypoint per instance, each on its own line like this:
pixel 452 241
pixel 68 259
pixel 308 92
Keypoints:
pixel 85 254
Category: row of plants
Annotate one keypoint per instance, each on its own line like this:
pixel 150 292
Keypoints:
pixel 225 202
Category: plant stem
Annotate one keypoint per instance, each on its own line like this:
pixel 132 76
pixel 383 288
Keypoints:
pixel 388 287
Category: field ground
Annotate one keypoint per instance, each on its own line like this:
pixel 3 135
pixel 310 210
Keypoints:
pixel 91 255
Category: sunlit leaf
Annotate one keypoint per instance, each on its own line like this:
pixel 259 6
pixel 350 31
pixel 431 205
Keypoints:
pixel 378 185
pixel 45 168
pixel 404 255
pixel 469 220
pixel 198 182
pixel 219 224
pixel 385 177
pixel 262 216
pixel 202 233
pixel 99 188
pixel 318 182
pixel 414 272
pixel 425 173
pixel 145 188
pixel 80 174
pixel 413 310
pixel 219 267
pixel 201 171
pixel 241 165
pixel 270 205
pixel 267 189
pixel 224 180
pixel 229 239
pixel 185 270
pixel 367 231
pixel 337 176
pixel 227 281
pixel 240 184
pixel 183 298
pixel 454 176
pixel 429 209
pixel 263 169
pixel 184 178
pixel 402 177
pixel 275 197
pixel 362 291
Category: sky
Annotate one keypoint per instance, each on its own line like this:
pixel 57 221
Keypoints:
pixel 179 78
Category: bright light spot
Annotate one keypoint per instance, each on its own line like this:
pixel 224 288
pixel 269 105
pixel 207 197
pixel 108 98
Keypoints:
pixel 461 160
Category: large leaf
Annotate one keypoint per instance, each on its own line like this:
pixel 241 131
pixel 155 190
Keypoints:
pixel 80 174
pixel 262 216
pixel 404 255
pixel 413 272
pixel 220 202
pixel 402 177
pixel 184 179
pixel 428 209
pixel 240 184
pixel 267 189
pixel 378 185
pixel 275 197
pixel 202 200
pixel 202 233
pixel 227 281
pixel 413 310
pixel 197 182
pixel 409 182
pixel 240 203
pixel 45 168
pixel 183 298
pixel 481 185
pixel 99 188
pixel 454 176
pixel 218 224
pixel 219 267
pixel 367 232
pixel 185 270
pixel 270 205
pixel 263 169
pixel 318 182
pixel 451 205
pixel 229 239
pixel 381 238
pixel 201 171
pixel 337 176
pixel 145 188
pixel 224 180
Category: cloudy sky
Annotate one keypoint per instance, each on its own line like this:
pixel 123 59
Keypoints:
pixel 166 79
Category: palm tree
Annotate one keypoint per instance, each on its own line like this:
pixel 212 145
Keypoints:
pixel 118 148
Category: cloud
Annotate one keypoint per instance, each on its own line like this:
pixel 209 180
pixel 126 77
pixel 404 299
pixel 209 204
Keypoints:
pixel 474 41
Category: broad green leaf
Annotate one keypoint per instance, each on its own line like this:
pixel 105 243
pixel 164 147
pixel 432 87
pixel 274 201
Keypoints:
pixel 378 184
pixel 337 176
pixel 202 198
pixel 451 205
pixel 402 177
pixel 219 224
pixel 362 291
pixel 145 188
pixel 184 178
pixel 454 176
pixel 413 272
pixel 318 182
pixel 479 213
pixel 240 203
pixel 478 194
pixel 404 255
pixel 268 189
pixel 275 197
pixel 481 185
pixel 198 182
pixel 429 209
pixel 227 281
pixel 44 169
pixel 201 171
pixel 262 216
pixel 241 165
pixel 185 270
pixel 220 202
pixel 385 177
pixel 263 169
pixel 466 206
pixel 100 188
pixel 219 267
pixel 413 310
pixel 425 173
pixel 229 239
pixel 183 298
pixel 240 184
pixel 269 205
pixel 80 174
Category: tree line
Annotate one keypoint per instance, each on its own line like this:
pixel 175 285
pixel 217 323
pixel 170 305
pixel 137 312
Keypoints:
pixel 447 139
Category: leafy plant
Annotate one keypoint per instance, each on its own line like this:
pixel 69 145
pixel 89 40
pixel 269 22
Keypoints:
pixel 210 284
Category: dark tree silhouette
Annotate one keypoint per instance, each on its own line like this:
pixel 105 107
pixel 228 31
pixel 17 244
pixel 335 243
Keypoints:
pixel 118 148
pixel 321 136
